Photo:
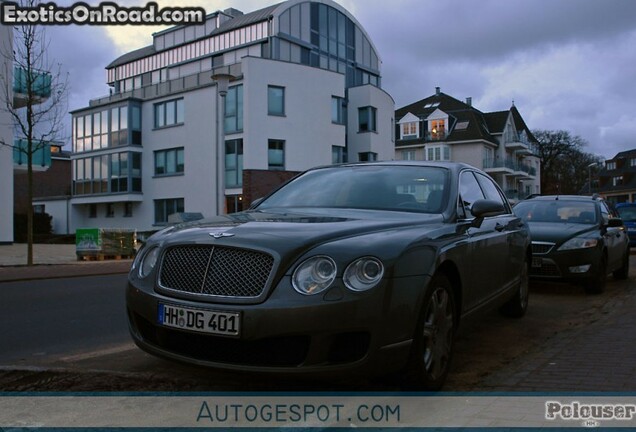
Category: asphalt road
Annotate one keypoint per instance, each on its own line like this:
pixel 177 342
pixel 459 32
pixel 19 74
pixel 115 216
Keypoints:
pixel 73 332
pixel 42 320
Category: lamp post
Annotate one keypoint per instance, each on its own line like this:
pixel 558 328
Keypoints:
pixel 222 80
pixel 589 175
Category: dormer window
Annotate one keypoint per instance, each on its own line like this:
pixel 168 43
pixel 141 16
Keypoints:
pixel 438 129
pixel 410 130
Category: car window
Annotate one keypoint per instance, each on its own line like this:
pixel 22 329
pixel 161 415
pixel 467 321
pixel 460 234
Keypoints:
pixel 628 214
pixel 605 213
pixel 420 189
pixel 580 212
pixel 491 191
pixel 469 192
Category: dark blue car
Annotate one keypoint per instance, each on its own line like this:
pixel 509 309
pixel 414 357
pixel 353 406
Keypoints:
pixel 627 211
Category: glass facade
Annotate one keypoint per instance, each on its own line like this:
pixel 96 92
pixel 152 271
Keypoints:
pixel 234 163
pixel 234 110
pixel 112 173
pixel 169 162
pixel 166 207
pixel 108 127
pixel 169 113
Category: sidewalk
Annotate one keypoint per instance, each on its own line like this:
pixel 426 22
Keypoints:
pixel 52 261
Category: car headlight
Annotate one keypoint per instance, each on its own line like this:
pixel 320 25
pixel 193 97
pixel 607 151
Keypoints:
pixel 363 274
pixel 314 275
pixel 148 262
pixel 579 243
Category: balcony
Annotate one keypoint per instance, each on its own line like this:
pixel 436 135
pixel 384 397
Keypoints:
pixel 436 136
pixel 40 84
pixel 509 167
pixel 41 160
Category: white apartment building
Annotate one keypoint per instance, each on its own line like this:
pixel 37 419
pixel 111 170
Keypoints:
pixel 442 128
pixel 305 90
pixel 6 136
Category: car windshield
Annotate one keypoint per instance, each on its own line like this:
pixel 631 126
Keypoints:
pixel 380 187
pixel 628 214
pixel 556 211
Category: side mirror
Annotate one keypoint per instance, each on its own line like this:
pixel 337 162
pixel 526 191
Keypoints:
pixel 615 223
pixel 486 208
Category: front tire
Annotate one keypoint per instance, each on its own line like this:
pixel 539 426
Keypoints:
pixel 434 337
pixel 597 284
pixel 623 271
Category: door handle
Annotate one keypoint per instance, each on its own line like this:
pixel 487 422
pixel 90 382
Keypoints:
pixel 499 227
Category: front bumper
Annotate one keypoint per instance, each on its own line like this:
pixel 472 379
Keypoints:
pixel 332 332
pixel 561 265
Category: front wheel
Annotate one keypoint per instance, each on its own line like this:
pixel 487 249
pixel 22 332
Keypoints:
pixel 434 336
pixel 623 271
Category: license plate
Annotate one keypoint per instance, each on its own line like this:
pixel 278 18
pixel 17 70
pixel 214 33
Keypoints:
pixel 202 321
pixel 537 262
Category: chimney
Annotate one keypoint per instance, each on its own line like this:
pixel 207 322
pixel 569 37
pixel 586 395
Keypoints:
pixel 469 101
pixel 437 91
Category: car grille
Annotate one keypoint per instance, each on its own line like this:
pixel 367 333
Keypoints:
pixel 215 271
pixel 548 269
pixel 541 248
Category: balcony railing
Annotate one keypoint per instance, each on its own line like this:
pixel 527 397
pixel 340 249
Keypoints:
pixel 509 164
pixel 39 82
pixel 437 136
pixel 41 159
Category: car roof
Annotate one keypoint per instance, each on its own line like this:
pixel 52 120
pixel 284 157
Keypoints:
pixel 453 166
pixel 565 198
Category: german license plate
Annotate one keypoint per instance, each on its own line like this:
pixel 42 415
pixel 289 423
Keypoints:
pixel 537 262
pixel 198 320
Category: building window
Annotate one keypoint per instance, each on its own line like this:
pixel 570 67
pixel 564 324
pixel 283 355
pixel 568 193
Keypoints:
pixel 119 126
pixel 632 162
pixel 610 165
pixel 165 207
pixel 276 155
pixel 617 181
pixel 337 154
pixel 410 130
pixel 168 162
pixel 338 110
pixel 92 211
pixel 169 113
pixel 275 101
pixel 110 210
pixel 438 129
pixel 128 209
pixel 438 153
pixel 367 119
pixel 234 203
pixel 408 155
pixel 234 110
pixel 367 157
pixel 38 209
pixel 234 163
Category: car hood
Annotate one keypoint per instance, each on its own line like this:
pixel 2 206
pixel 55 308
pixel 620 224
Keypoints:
pixel 557 232
pixel 291 231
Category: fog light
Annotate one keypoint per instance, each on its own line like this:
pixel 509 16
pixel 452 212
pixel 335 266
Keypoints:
pixel 580 269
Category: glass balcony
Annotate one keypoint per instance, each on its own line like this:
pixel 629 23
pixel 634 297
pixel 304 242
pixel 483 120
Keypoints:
pixel 41 155
pixel 40 85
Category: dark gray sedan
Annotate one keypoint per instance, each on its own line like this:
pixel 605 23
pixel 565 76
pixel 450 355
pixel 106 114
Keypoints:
pixel 361 267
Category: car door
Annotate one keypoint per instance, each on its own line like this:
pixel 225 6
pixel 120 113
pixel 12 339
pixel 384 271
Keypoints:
pixel 509 225
pixel 487 246
pixel 614 238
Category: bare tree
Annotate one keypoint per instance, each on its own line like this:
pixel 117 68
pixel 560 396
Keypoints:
pixel 564 163
pixel 38 113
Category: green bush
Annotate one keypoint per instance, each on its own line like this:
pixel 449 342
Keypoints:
pixel 41 226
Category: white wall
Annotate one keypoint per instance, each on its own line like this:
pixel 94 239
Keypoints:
pixel 6 153
pixel 306 127
pixel 380 142
pixel 60 210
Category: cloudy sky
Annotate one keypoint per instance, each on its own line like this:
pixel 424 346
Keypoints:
pixel 566 64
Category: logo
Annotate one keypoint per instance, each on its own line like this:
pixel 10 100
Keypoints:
pixel 221 234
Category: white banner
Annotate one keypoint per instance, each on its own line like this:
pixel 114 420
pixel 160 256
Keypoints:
pixel 324 411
